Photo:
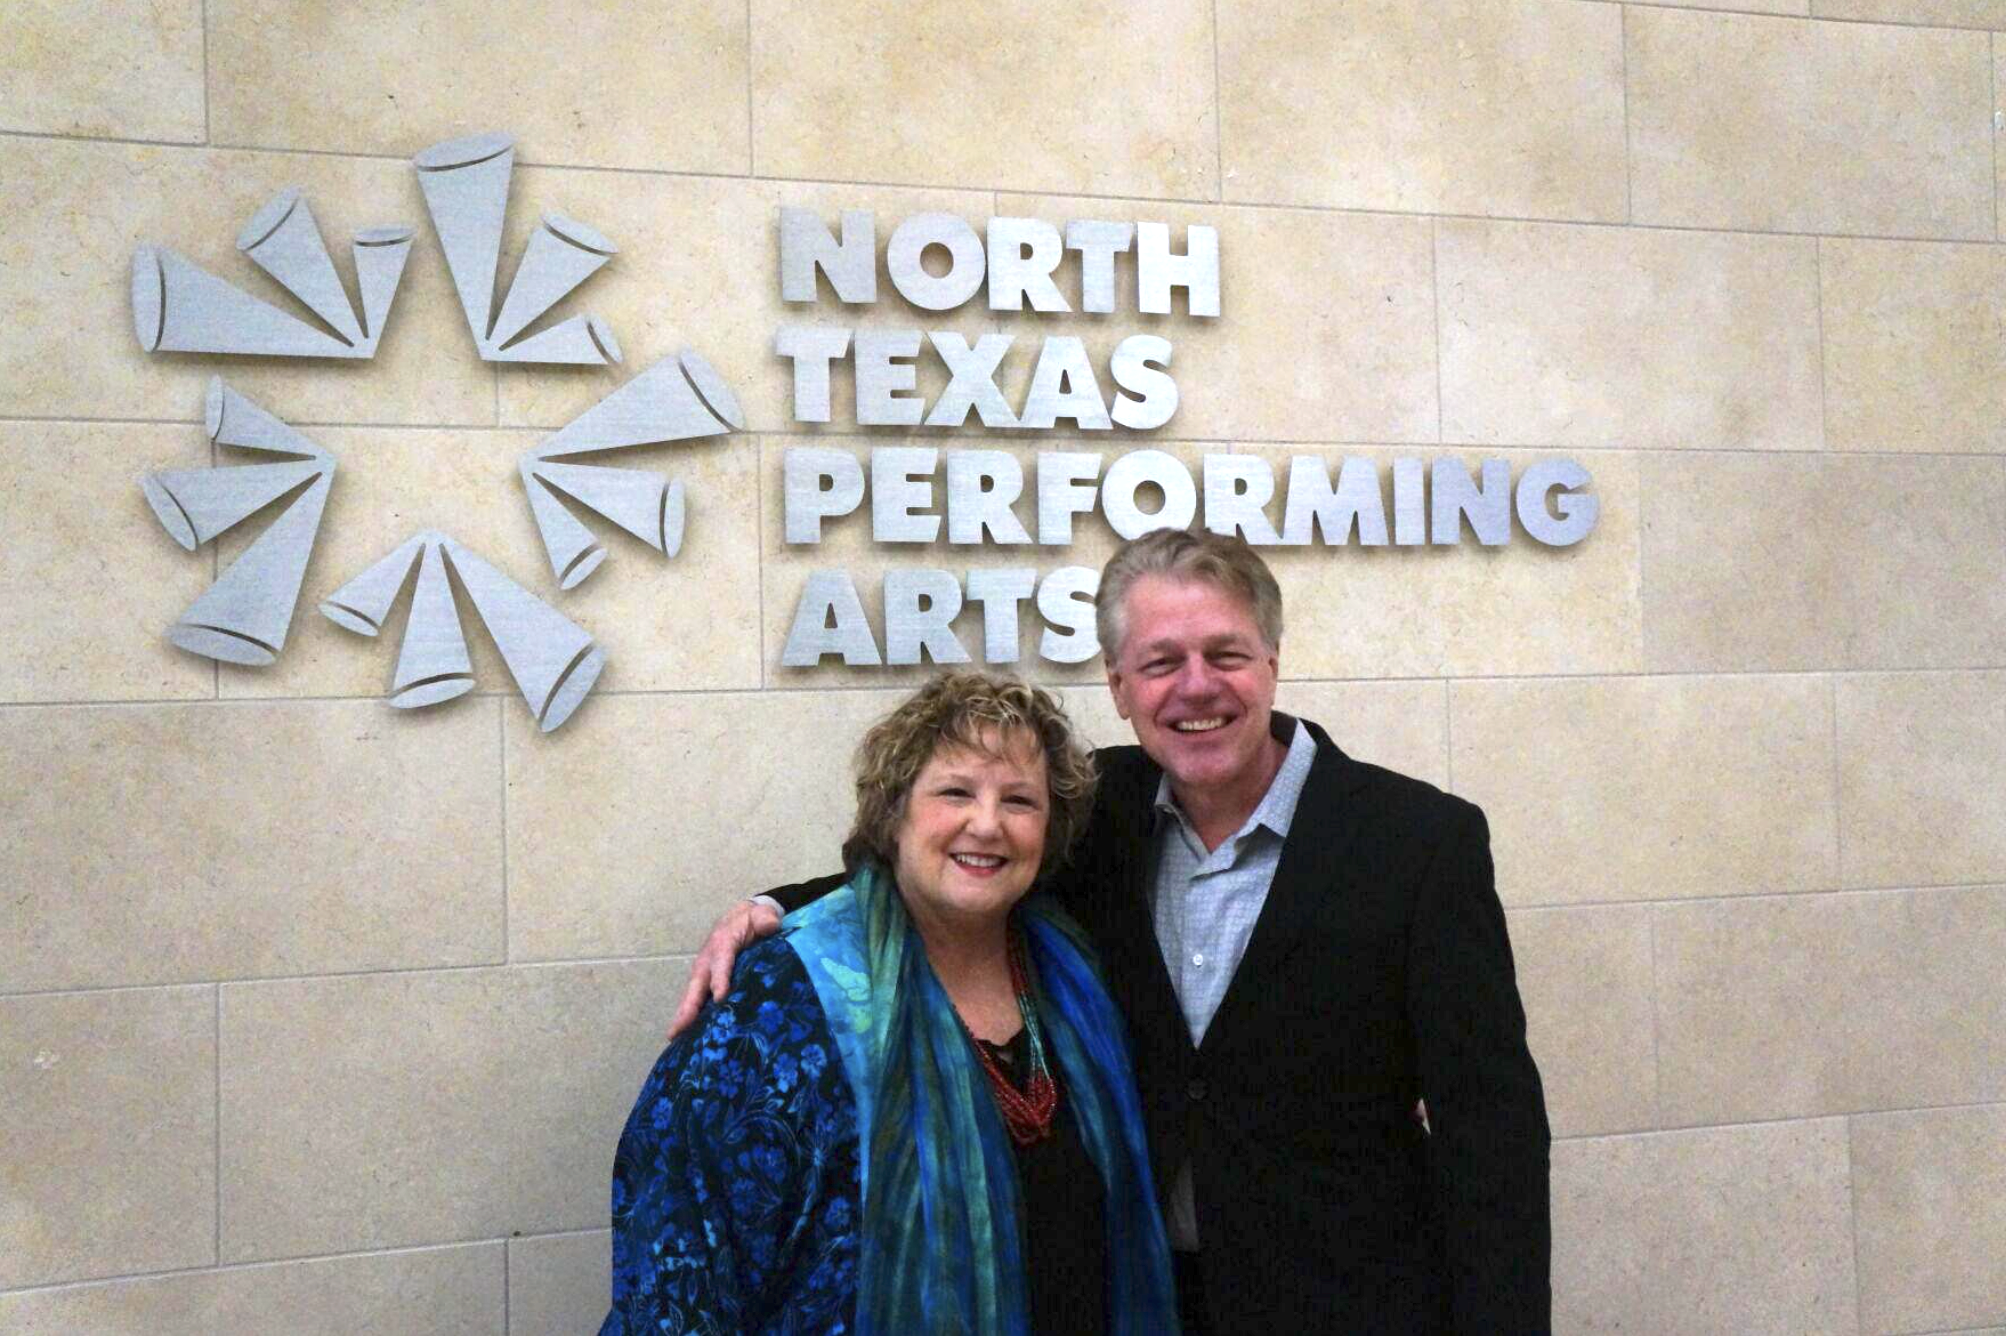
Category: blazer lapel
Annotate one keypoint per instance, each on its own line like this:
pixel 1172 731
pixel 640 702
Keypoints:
pixel 1313 856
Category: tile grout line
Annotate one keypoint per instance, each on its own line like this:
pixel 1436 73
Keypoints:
pixel 1838 785
pixel 216 1121
pixel 1435 282
pixel 1738 1124
pixel 501 766
pixel 207 138
pixel 1218 116
pixel 1629 143
pixel 507 1247
pixel 751 142
pixel 1818 287
pixel 1657 1022
pixel 1992 125
pixel 1050 193
pixel 1448 736
pixel 687 954
pixel 1853 1220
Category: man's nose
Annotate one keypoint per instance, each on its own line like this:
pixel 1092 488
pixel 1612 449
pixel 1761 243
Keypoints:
pixel 1196 678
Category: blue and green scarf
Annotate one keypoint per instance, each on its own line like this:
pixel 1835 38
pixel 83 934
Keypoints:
pixel 940 1248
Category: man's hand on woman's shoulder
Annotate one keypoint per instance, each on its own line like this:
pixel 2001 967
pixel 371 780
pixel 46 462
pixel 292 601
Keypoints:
pixel 710 973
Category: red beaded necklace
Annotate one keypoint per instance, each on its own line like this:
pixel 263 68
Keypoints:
pixel 1027 1113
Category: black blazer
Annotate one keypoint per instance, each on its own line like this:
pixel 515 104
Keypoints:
pixel 1378 973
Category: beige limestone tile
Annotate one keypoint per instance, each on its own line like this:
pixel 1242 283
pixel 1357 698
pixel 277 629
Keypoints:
pixel 1466 610
pixel 75 213
pixel 1475 106
pixel 1591 336
pixel 108 1101
pixel 1797 7
pixel 168 843
pixel 1107 100
pixel 630 831
pixel 1650 788
pixel 1922 778
pixel 1929 1192
pixel 1940 13
pixel 1745 1229
pixel 107 67
pixel 600 84
pixel 1780 124
pixel 1800 1005
pixel 1864 561
pixel 1913 354
pixel 699 266
pixel 1325 332
pixel 1585 978
pixel 684 622
pixel 392 1109
pixel 89 581
pixel 448 1291
pixel 558 1284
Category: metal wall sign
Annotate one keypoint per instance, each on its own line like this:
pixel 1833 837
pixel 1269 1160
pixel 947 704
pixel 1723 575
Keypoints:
pixel 979 497
pixel 909 494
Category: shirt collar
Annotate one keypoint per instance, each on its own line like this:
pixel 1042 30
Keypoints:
pixel 1277 807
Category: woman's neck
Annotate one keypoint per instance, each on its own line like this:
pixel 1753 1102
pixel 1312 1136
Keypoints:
pixel 972 962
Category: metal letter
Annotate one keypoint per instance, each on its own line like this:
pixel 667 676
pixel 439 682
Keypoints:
pixel 1236 489
pixel 1066 602
pixel 999 592
pixel 805 246
pixel 909 276
pixel 1060 495
pixel 883 363
pixel 1023 252
pixel 982 485
pixel 811 347
pixel 1410 511
pixel 829 619
pixel 1135 368
pixel 1130 472
pixel 896 488
pixel 1098 243
pixel 1157 271
pixel 1312 504
pixel 972 382
pixel 920 608
pixel 806 501
pixel 1488 506
pixel 1063 385
pixel 1577 511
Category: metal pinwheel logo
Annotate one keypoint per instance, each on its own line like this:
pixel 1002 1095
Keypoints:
pixel 245 616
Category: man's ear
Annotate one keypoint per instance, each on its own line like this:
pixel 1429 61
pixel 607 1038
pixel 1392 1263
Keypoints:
pixel 1114 686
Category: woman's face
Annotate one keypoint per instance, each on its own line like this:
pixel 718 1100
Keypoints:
pixel 973 832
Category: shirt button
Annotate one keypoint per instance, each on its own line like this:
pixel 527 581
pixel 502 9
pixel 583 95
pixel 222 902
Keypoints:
pixel 1198 959
pixel 1196 1089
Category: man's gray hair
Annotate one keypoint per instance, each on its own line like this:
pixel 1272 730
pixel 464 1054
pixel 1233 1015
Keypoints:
pixel 1187 555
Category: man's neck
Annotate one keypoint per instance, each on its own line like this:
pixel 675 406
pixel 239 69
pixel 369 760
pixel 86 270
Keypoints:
pixel 1216 812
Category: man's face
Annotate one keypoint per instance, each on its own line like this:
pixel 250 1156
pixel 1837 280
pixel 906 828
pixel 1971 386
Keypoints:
pixel 1196 681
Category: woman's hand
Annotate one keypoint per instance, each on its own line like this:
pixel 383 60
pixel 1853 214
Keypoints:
pixel 710 973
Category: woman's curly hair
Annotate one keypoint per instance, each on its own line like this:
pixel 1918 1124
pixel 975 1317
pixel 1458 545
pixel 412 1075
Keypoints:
pixel 971 710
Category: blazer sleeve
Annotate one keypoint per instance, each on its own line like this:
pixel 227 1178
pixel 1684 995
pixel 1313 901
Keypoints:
pixel 804 893
pixel 1488 1148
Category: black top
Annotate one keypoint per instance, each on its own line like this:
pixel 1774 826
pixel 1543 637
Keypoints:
pixel 1064 1219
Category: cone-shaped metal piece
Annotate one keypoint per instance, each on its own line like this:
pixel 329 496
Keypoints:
pixel 180 307
pixel 633 499
pixel 363 604
pixel 194 505
pixel 574 553
pixel 466 189
pixel 283 240
pixel 717 395
pixel 583 340
pixel 244 616
pixel 552 659
pixel 659 404
pixel 561 255
pixel 380 253
pixel 232 419
pixel 432 665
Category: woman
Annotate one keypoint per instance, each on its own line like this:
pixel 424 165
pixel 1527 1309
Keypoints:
pixel 915 1111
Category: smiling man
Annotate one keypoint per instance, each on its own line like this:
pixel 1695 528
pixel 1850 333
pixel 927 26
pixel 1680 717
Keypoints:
pixel 1306 947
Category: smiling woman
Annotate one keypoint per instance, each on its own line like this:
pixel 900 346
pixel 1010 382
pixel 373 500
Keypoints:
pixel 915 1110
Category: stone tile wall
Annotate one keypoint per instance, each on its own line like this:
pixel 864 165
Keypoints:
pixel 312 1008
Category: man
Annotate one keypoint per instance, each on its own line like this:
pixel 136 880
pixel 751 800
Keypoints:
pixel 1305 947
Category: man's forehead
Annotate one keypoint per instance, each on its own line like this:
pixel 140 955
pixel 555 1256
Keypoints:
pixel 1167 609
